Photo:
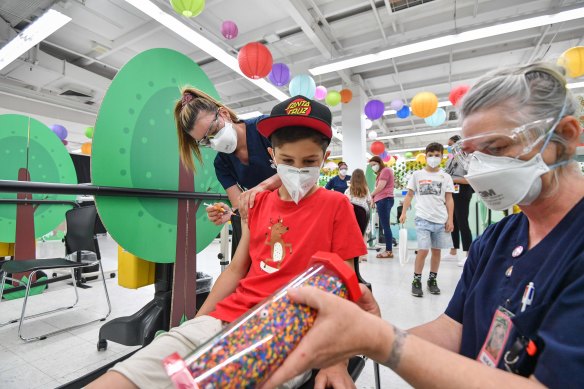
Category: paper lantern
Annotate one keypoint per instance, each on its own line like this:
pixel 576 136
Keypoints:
pixel 280 74
pixel 320 92
pixel 86 148
pixel 89 132
pixel 573 60
pixel 60 131
pixel 346 96
pixel 457 93
pixel 437 118
pixel 188 8
pixel 255 60
pixel 333 97
pixel 387 158
pixel 383 155
pixel 421 158
pixel 374 109
pixel 64 142
pixel 450 156
pixel 303 85
pixel 331 165
pixel 424 104
pixel 368 124
pixel 229 29
pixel 391 162
pixel 372 135
pixel 377 147
pixel 396 104
pixel 403 113
pixel 409 154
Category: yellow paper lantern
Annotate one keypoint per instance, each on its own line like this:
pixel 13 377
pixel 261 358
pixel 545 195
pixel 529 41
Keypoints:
pixel 424 104
pixel 573 61
pixel 391 162
pixel 86 148
pixel 421 158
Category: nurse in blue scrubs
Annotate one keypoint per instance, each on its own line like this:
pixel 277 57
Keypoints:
pixel 516 318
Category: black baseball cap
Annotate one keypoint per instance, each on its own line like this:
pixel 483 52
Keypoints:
pixel 298 111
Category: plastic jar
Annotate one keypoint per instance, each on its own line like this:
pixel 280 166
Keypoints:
pixel 247 351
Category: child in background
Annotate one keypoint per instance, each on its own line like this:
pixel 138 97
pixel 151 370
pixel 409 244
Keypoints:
pixel 434 215
pixel 358 194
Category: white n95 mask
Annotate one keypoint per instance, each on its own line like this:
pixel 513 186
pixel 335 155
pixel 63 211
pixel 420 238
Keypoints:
pixel 298 182
pixel 433 161
pixel 225 141
pixel 502 182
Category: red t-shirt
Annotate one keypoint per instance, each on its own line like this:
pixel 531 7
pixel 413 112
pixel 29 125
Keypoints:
pixel 387 191
pixel 283 238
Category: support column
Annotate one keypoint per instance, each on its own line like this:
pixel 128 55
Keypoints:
pixel 354 137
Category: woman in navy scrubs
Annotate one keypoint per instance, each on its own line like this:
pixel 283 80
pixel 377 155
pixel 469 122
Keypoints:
pixel 522 287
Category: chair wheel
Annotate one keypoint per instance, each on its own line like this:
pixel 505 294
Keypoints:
pixel 101 345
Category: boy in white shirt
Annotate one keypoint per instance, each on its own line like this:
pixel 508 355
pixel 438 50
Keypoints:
pixel 434 215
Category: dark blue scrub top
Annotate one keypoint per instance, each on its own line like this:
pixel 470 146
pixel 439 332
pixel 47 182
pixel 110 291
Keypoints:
pixel 337 184
pixel 556 316
pixel 229 169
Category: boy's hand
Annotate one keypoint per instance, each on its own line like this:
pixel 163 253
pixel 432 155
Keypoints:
pixel 219 213
pixel 402 218
pixel 449 226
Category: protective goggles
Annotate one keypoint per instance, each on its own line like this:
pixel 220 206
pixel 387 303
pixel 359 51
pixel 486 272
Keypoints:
pixel 206 139
pixel 511 143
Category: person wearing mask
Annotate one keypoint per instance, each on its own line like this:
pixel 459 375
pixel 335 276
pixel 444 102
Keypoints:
pixel 339 182
pixel 461 196
pixel 519 142
pixel 434 212
pixel 383 197
pixel 299 149
pixel 243 165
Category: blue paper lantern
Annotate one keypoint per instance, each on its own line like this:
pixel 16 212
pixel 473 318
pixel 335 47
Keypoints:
pixel 60 131
pixel 280 74
pixel 403 113
pixel 437 118
pixel 374 109
pixel 302 85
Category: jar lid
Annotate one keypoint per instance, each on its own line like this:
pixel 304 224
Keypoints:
pixel 344 271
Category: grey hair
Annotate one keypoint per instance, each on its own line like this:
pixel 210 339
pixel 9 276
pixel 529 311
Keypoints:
pixel 525 94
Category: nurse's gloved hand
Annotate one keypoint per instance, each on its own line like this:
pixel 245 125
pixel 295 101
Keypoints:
pixel 219 213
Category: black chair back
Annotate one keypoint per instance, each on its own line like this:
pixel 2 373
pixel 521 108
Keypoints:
pixel 80 230
pixel 362 217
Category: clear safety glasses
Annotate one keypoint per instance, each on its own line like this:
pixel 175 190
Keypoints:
pixel 512 143
pixel 206 139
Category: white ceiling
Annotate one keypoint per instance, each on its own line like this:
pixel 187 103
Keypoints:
pixel 86 53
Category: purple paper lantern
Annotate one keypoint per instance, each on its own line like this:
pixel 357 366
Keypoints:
pixel 60 131
pixel 320 92
pixel 229 29
pixel 396 104
pixel 280 74
pixel 403 113
pixel 374 109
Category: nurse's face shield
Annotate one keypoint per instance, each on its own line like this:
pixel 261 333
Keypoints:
pixel 512 143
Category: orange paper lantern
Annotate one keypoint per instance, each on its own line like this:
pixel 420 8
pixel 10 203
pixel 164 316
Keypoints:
pixel 346 96
pixel 424 104
pixel 86 148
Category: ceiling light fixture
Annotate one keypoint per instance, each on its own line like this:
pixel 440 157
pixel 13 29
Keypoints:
pixel 440 131
pixel 450 40
pixel 575 85
pixel 202 43
pixel 249 115
pixel 48 23
pixel 406 150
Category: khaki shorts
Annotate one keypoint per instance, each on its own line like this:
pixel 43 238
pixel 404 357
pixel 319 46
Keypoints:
pixel 145 369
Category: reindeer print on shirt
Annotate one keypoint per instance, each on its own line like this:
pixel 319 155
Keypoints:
pixel 278 246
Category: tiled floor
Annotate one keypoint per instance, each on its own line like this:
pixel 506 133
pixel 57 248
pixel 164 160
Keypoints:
pixel 59 359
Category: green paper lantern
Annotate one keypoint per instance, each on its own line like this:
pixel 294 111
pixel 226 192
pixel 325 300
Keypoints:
pixel 188 8
pixel 333 97
pixel 89 132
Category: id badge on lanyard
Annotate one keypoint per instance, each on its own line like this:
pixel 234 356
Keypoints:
pixel 494 346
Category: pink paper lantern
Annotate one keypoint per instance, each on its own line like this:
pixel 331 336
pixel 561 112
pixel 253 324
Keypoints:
pixel 229 29
pixel 320 92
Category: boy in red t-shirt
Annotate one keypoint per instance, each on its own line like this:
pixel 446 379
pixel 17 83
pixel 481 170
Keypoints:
pixel 286 227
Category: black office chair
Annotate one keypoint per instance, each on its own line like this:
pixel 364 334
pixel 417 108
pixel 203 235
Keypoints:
pixel 80 237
